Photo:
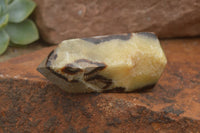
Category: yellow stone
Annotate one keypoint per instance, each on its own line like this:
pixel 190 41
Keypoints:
pixel 106 63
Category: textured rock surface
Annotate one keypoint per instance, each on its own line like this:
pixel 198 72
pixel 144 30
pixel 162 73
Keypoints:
pixel 29 103
pixel 65 19
pixel 17 51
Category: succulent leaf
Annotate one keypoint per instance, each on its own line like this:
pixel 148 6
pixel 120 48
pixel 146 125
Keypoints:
pixel 3 20
pixel 4 41
pixel 19 10
pixel 22 33
pixel 3 7
pixel 1 12
pixel 10 1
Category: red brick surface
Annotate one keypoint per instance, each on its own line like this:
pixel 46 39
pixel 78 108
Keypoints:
pixel 30 103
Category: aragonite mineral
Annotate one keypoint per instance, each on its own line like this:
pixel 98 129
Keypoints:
pixel 114 63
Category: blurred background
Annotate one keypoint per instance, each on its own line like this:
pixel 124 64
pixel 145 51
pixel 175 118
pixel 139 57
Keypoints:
pixel 63 19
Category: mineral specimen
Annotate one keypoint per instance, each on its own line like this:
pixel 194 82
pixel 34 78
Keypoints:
pixel 114 63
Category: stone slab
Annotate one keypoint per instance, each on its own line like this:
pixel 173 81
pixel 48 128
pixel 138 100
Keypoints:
pixel 15 51
pixel 30 103
pixel 64 19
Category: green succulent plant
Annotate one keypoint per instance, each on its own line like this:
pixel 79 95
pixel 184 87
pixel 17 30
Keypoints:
pixel 15 27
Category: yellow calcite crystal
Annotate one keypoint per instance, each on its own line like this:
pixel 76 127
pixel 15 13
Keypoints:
pixel 106 63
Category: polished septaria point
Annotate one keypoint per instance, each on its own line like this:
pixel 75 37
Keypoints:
pixel 115 63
